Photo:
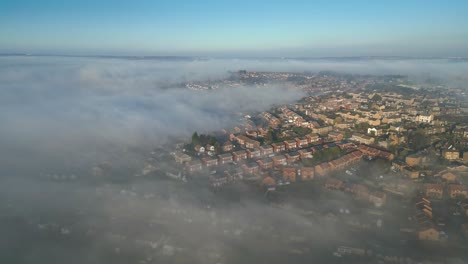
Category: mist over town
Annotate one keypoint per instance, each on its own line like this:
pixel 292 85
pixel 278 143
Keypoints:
pixel 225 132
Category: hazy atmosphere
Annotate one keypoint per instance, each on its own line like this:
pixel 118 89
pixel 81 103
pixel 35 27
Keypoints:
pixel 226 132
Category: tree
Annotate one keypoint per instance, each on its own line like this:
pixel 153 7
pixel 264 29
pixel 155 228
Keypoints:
pixel 376 98
pixel 419 140
pixel 338 120
pixel 195 139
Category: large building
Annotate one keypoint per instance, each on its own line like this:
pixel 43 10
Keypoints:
pixel 362 139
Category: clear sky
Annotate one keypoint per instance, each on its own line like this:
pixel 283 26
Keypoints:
pixel 235 28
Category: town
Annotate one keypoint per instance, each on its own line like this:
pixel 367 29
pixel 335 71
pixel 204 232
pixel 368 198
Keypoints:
pixel 397 149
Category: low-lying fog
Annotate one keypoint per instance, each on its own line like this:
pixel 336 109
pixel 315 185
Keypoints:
pixel 60 114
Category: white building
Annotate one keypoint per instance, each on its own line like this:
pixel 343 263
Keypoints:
pixel 424 118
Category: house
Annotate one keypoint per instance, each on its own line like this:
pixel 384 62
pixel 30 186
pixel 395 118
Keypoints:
pixel 378 198
pixel 289 174
pixel 293 157
pixel 279 160
pixel 199 149
pixel 374 122
pixel 424 206
pixel 250 168
pixel 268 182
pixel 451 154
pixel 335 136
pixel 253 153
pixel 278 147
pixel 316 149
pixel 424 118
pixel 374 152
pixel 266 150
pixel 247 142
pixel 209 162
pixel 413 160
pixel 411 172
pixel 290 144
pixel 449 177
pixel 224 158
pixel 464 208
pixel 265 164
pixel 360 191
pixel 312 138
pixel 374 131
pixel 239 155
pixel 433 190
pixel 322 130
pixel 301 142
pixel 323 169
pixel 428 232
pixel 464 229
pixel 362 138
pixel 241 139
pixel 306 173
pixel 333 184
pixel 209 147
pixel 193 166
pixel 252 144
pixel 398 165
pixel 227 146
pixel 182 157
pixel 305 154
pixel 457 191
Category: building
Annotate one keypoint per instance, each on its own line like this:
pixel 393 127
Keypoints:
pixel 433 190
pixel 268 182
pixel 290 145
pixel 305 154
pixel 398 165
pixel 182 157
pixel 293 157
pixel 411 172
pixel 279 160
pixel 374 131
pixel 306 173
pixel 451 154
pixel 464 229
pixel 335 136
pixel 457 191
pixel 413 160
pixel 360 191
pixel 323 169
pixel 312 138
pixel 193 166
pixel 424 118
pixel 265 164
pixel 250 168
pixel 362 139
pixel 333 184
pixel 209 162
pixel 239 155
pixel 378 198
pixel 289 174
pixel 278 147
pixel 224 158
pixel 266 150
pixel 301 142
pixel 449 177
pixel 253 153
pixel 227 146
pixel 199 149
pixel 428 232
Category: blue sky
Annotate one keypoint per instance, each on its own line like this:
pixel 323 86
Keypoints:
pixel 235 28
